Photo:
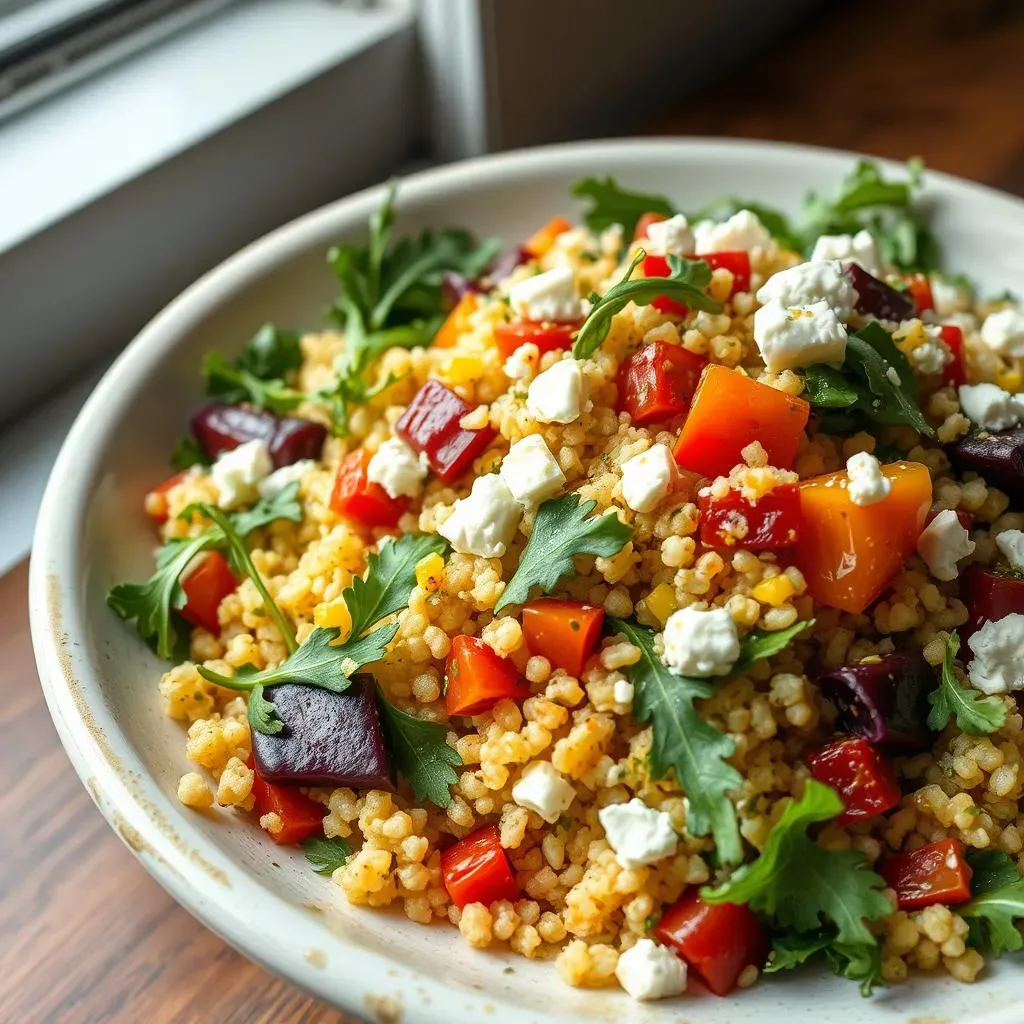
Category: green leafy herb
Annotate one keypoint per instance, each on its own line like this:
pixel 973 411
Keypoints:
pixel 153 604
pixel 687 283
pixel 562 530
pixel 683 741
pixel 188 452
pixel 997 904
pixel 258 374
pixel 974 713
pixel 261 712
pixel 391 295
pixel 611 204
pixel 758 645
pixel 326 855
pixel 803 886
pixel 875 383
pixel 861 962
pixel 421 754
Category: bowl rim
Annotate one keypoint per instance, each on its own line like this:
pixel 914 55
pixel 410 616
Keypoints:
pixel 171 849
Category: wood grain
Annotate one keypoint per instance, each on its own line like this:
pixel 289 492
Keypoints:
pixel 85 934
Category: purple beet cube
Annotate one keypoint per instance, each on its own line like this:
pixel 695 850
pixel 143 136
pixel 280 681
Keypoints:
pixel 876 298
pixel 296 439
pixel 328 739
pixel 219 428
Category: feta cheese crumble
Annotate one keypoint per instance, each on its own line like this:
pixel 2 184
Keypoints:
pixel 531 472
pixel 859 248
pixel 931 356
pixel 817 281
pixel 1003 331
pixel 794 336
pixel 397 468
pixel 548 296
pixel 556 395
pixel 989 406
pixel 648 478
pixel 866 484
pixel 523 362
pixel 672 236
pixel 1011 544
pixel 543 789
pixel 237 472
pixel 997 666
pixel 622 691
pixel 942 544
pixel 271 486
pixel 948 298
pixel 743 230
pixel 649 971
pixel 637 833
pixel 485 522
pixel 701 642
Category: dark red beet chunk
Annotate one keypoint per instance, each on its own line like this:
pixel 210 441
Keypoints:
pixel 876 298
pixel 455 286
pixel 431 426
pixel 296 439
pixel 885 703
pixel 507 261
pixel 989 596
pixel 998 458
pixel 219 428
pixel 329 739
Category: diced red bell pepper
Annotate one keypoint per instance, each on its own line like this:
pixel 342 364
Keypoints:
pixel 476 870
pixel 564 632
pixel 920 290
pixel 717 940
pixel 156 500
pixel 936 873
pixel 477 678
pixel 548 337
pixel 206 584
pixel 644 223
pixel 355 497
pixel 863 778
pixel 301 816
pixel 728 411
pixel 737 262
pixel 955 371
pixel 657 266
pixel 431 426
pixel 657 382
pixel 989 596
pixel 771 522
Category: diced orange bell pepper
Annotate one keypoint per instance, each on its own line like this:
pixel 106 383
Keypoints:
pixel 477 678
pixel 564 632
pixel 728 411
pixel 848 552
pixel 543 238
pixel 300 815
pixel 457 322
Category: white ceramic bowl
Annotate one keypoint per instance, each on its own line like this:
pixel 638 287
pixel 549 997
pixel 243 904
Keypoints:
pixel 101 681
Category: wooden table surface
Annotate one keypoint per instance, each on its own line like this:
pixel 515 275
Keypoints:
pixel 85 934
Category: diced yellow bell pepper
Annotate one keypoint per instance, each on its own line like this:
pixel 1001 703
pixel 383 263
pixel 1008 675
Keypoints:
pixel 333 613
pixel 1009 379
pixel 661 602
pixel 463 369
pixel 430 572
pixel 775 591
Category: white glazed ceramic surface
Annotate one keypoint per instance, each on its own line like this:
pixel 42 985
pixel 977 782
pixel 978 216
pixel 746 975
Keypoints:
pixel 101 681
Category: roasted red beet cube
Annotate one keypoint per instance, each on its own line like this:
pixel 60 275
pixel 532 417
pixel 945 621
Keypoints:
pixel 732 521
pixel 657 382
pixel 876 298
pixel 999 458
pixel 219 428
pixel 431 426
pixel 296 439
pixel 989 595
pixel 329 739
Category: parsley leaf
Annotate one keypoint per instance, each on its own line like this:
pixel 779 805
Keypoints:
pixel 687 283
pixel 560 531
pixel 682 740
pixel 857 961
pixel 326 855
pixel 188 452
pixel 997 904
pixel 975 714
pixel 611 204
pixel 271 352
pixel 865 386
pixel 257 375
pixel 758 645
pixel 152 604
pixel 421 754
pixel 801 885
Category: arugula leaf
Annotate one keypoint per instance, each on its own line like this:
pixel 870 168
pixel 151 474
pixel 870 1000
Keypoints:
pixel 257 374
pixel 684 741
pixel 262 716
pixel 152 604
pixel 687 283
pixel 865 384
pixel 611 204
pixel 801 885
pixel 975 714
pixel 326 855
pixel 560 531
pixel 998 902
pixel 858 962
pixel 759 644
pixel 421 754
pixel 188 452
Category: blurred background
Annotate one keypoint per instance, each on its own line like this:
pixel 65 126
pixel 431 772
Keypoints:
pixel 143 141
